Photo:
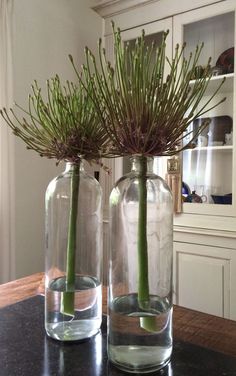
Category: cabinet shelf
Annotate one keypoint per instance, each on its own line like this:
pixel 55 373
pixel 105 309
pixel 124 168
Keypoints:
pixel 223 148
pixel 215 82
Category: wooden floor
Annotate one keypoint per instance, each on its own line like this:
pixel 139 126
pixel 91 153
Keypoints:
pixel 198 328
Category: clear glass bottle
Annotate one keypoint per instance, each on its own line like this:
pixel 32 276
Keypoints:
pixel 73 291
pixel 140 275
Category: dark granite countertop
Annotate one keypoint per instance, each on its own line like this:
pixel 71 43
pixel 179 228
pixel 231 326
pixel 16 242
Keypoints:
pixel 25 350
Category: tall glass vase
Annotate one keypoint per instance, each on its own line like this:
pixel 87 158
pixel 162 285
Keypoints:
pixel 73 292
pixel 140 275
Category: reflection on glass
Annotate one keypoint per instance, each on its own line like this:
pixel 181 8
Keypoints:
pixel 207 169
pixel 113 371
pixel 80 358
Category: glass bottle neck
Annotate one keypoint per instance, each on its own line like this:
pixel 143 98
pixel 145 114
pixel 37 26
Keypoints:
pixel 79 165
pixel 142 164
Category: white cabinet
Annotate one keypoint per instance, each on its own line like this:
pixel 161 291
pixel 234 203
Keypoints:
pixel 203 278
pixel 209 169
pixel 205 233
pixel 204 274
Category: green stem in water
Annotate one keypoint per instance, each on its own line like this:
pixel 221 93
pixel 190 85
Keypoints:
pixel 143 287
pixel 147 323
pixel 67 302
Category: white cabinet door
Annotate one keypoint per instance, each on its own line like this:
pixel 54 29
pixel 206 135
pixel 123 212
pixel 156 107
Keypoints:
pixel 203 279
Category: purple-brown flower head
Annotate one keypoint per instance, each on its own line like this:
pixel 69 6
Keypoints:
pixel 64 127
pixel 145 100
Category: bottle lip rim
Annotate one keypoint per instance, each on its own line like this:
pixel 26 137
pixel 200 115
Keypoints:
pixel 139 156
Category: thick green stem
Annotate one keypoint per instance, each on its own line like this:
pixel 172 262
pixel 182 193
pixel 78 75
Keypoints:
pixel 67 303
pixel 143 287
pixel 146 322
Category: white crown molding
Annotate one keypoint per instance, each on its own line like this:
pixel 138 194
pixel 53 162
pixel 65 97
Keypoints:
pixel 109 8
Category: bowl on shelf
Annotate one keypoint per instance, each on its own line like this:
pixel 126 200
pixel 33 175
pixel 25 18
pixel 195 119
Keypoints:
pixel 222 199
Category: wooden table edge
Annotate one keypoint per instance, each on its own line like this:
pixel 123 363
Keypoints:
pixel 198 328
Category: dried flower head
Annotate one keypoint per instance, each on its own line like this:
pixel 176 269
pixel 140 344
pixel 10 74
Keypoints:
pixel 64 127
pixel 148 100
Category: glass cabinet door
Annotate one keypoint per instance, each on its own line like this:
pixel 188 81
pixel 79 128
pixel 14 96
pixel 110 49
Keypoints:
pixel 208 169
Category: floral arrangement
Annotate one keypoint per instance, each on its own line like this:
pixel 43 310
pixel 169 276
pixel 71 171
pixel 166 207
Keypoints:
pixel 63 127
pixel 142 105
pixel 146 102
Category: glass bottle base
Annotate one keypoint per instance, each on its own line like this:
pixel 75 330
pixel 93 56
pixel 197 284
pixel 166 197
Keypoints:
pixel 140 340
pixel 73 331
pixel 73 315
pixel 138 359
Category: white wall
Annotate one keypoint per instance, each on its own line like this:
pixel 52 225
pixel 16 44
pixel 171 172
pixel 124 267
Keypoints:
pixel 45 32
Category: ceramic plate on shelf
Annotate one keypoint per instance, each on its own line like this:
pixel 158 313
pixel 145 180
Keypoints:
pixel 226 60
